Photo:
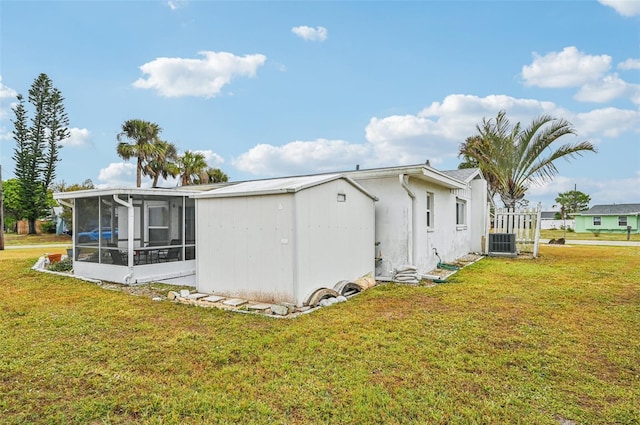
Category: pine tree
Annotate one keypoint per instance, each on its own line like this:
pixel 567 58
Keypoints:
pixel 38 145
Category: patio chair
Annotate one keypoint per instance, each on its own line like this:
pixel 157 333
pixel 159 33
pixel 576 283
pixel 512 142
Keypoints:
pixel 171 254
pixel 116 255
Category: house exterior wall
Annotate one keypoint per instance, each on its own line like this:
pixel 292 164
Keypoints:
pixel 401 224
pixel 608 224
pixel 334 240
pixel 281 248
pixel 246 247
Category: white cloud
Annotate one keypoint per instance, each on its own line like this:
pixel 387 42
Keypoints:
pixel 78 137
pixel 608 89
pixel 6 93
pixel 629 64
pixel 568 68
pixel 175 77
pixel 309 33
pixel 302 157
pixel 610 122
pixel 177 4
pixel 119 174
pixel 435 133
pixel 212 158
pixel 623 7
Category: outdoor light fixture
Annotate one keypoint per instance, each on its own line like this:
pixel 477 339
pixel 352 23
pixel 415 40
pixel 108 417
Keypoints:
pixel 342 197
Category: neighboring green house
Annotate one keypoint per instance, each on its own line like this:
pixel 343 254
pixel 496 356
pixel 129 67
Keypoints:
pixel 609 219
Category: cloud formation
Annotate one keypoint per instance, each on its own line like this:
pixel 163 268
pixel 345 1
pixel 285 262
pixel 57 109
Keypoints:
pixel 629 64
pixel 310 34
pixel 119 174
pixel 569 68
pixel 624 7
pixel 301 157
pixel 212 158
pixel 78 137
pixel 205 77
pixel 434 133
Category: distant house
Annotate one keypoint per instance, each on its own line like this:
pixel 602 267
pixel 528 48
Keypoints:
pixel 548 221
pixel 614 218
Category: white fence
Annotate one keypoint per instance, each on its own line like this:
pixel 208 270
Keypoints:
pixel 525 224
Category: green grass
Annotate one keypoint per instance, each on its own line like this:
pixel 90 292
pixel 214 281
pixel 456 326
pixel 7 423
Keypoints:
pixel 556 234
pixel 506 341
pixel 13 239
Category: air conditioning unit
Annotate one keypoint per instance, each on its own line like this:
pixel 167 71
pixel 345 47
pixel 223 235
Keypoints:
pixel 502 244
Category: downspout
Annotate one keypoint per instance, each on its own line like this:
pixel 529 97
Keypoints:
pixel 411 246
pixel 130 235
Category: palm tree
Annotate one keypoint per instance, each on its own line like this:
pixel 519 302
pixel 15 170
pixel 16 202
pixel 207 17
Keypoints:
pixel 211 175
pixel 161 162
pixel 512 158
pixel 192 166
pixel 143 136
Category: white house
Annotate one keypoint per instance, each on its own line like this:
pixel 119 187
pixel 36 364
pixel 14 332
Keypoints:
pixel 280 240
pixel 424 215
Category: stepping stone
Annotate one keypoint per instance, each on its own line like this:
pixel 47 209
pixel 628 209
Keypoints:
pixel 235 302
pixel 196 296
pixel 259 307
pixel 213 298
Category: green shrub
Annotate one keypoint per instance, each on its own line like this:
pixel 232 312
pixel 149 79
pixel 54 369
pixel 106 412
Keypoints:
pixel 48 226
pixel 62 265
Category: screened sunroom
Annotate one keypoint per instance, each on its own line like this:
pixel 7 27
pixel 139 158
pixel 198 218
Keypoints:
pixel 133 235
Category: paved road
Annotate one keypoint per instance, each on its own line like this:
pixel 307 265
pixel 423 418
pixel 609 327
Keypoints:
pixel 595 242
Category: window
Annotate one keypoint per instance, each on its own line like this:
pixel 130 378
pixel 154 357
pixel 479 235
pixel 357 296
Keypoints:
pixel 461 212
pixel 622 220
pixel 429 210
pixel 596 221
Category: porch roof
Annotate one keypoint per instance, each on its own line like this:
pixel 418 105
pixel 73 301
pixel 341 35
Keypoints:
pixel 133 191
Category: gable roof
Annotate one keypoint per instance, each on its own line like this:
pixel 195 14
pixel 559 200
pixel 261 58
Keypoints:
pixel 613 209
pixel 421 172
pixel 277 186
pixel 464 174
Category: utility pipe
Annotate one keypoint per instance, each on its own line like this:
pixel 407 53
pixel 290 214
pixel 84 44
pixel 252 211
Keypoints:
pixel 130 235
pixel 411 246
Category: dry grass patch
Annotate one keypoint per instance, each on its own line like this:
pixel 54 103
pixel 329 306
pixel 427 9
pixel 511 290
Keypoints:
pixel 506 341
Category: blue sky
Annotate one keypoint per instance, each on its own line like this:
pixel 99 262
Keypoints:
pixel 275 88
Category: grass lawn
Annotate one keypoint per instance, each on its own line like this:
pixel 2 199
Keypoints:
pixel 11 239
pixel 556 234
pixel 543 341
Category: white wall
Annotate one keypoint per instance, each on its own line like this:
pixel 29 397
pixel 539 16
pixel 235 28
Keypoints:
pixel 246 247
pixel 401 224
pixel 335 240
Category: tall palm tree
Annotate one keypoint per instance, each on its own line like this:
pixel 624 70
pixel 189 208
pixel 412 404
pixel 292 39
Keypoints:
pixel 143 136
pixel 192 166
pixel 512 158
pixel 161 162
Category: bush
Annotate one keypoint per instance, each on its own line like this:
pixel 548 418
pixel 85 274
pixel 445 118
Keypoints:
pixel 62 265
pixel 48 226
